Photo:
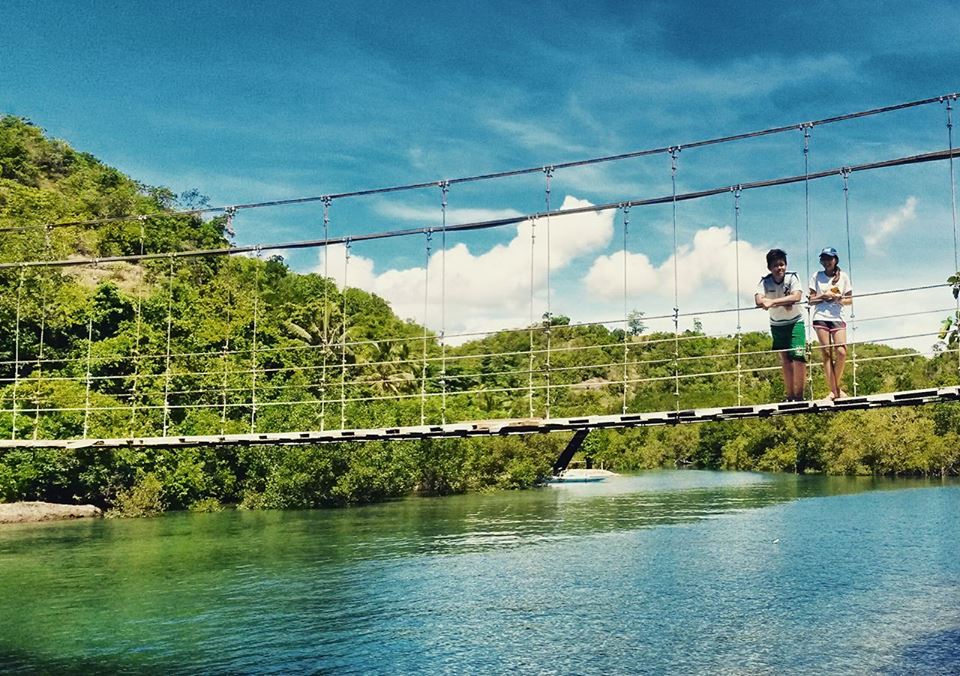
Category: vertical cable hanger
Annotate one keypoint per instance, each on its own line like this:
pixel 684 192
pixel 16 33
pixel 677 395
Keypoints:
pixel 89 374
pixel 674 151
pixel 43 325
pixel 327 201
pixel 444 189
pixel 225 359
pixel 533 249
pixel 166 368
pixel 806 226
pixel 428 245
pixel 736 253
pixel 953 208
pixel 16 356
pixel 135 385
pixel 343 337
pixel 254 359
pixel 229 213
pixel 548 174
pixel 845 172
pixel 625 208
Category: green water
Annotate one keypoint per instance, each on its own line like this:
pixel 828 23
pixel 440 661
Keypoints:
pixel 692 572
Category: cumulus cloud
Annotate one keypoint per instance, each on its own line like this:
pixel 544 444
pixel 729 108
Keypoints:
pixel 706 266
pixel 879 229
pixel 483 291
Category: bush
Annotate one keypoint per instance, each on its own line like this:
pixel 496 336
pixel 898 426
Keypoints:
pixel 145 498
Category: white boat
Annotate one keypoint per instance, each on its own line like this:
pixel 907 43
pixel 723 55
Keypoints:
pixel 578 475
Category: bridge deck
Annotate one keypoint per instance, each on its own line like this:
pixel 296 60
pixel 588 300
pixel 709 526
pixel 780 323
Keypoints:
pixel 513 425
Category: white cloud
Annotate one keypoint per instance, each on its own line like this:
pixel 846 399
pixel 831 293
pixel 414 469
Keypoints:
pixel 483 291
pixel 707 266
pixel 879 229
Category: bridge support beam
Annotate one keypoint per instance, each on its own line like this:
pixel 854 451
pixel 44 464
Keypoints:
pixel 572 447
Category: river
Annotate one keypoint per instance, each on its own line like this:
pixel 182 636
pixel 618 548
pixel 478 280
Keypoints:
pixel 661 572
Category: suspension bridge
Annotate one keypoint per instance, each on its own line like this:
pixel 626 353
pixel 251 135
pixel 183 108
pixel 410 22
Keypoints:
pixel 168 386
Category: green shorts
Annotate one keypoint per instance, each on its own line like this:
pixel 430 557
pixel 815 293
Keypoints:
pixel 790 337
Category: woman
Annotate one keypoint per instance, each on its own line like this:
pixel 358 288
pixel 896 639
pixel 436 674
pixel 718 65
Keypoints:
pixel 830 290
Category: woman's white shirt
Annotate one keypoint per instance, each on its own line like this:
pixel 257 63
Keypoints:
pixel 821 283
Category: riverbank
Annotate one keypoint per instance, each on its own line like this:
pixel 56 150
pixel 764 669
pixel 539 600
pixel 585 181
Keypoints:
pixel 29 512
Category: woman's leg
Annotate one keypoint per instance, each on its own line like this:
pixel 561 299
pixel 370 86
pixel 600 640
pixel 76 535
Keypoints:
pixel 839 358
pixel 823 335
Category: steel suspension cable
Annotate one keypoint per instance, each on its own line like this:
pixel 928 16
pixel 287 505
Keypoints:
pixel 533 248
pixel 254 360
pixel 16 357
pixel 343 339
pixel 135 356
pixel 736 249
pixel 548 173
pixel 807 253
pixel 167 359
pixel 225 360
pixel 953 211
pixel 426 305
pixel 38 369
pixel 935 156
pixel 853 311
pixel 86 406
pixel 505 174
pixel 626 319
pixel 676 277
pixel 444 188
pixel 326 314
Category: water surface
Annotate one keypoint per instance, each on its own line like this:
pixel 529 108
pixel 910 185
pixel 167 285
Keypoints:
pixel 695 572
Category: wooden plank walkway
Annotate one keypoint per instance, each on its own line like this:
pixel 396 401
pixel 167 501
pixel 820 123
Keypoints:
pixel 512 426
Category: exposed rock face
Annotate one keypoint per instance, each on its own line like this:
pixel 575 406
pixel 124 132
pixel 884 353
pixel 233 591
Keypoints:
pixel 24 512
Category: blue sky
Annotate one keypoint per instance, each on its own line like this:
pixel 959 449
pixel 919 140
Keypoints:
pixel 247 102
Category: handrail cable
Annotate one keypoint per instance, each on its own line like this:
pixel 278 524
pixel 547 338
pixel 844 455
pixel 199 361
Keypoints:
pixel 455 393
pixel 641 342
pixel 278 370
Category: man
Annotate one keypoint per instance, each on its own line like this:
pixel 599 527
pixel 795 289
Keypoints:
pixel 780 293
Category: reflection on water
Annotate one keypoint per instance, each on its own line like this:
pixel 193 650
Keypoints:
pixel 677 571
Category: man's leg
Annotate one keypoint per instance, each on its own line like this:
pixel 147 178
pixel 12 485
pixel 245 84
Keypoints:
pixel 799 373
pixel 787 367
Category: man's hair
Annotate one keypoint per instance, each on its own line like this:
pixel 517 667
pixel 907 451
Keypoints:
pixel 775 255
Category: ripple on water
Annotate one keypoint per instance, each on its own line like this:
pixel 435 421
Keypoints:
pixel 670 571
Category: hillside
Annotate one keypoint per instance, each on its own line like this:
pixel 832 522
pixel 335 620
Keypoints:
pixel 234 344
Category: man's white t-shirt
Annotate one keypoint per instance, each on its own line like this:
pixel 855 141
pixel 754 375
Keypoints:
pixel 781 315
pixel 823 283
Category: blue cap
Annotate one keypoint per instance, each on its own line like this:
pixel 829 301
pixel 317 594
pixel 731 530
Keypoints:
pixel 829 251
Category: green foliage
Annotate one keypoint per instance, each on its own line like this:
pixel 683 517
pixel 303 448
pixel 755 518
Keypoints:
pixel 230 345
pixel 145 498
